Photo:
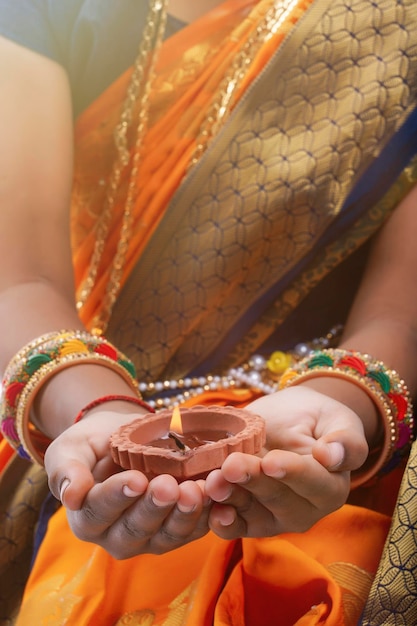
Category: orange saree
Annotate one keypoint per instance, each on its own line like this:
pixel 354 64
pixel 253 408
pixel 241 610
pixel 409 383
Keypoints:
pixel 300 580
pixel 203 74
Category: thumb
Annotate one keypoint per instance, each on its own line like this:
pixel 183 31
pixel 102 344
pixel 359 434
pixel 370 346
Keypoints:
pixel 329 454
pixel 70 483
pixel 347 453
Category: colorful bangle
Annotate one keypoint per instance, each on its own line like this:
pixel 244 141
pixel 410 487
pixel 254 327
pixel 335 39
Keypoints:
pixel 36 363
pixel 42 350
pixel 112 398
pixel 384 386
pixel 32 345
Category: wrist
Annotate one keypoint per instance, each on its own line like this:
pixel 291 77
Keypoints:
pixel 120 403
pixel 63 397
pixel 383 386
pixel 49 380
pixel 356 399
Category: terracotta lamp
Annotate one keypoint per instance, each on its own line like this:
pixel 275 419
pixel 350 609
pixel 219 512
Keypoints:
pixel 187 443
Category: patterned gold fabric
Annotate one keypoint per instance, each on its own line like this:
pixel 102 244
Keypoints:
pixel 23 488
pixel 325 261
pixel 271 184
pixel 393 597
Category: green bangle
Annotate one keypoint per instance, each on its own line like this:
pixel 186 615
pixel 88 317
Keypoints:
pixel 32 366
pixel 383 385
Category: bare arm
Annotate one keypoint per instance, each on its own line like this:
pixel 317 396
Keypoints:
pixel 36 280
pixel 383 318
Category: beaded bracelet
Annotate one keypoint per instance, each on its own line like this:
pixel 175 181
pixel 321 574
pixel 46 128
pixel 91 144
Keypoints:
pixel 384 386
pixel 35 364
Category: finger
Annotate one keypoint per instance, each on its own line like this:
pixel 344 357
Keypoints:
pixel 166 518
pixel 70 474
pixel 187 521
pixel 70 483
pixel 243 516
pixel 238 482
pixel 225 522
pixel 105 504
pixel 190 498
pixel 71 480
pixel 341 450
pixel 307 479
pixel 216 487
pixel 238 512
pixel 240 468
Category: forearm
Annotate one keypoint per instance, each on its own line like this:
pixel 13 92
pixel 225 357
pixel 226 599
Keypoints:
pixel 36 275
pixel 383 318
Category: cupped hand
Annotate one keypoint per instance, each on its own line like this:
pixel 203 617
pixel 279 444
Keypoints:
pixel 120 510
pixel 313 443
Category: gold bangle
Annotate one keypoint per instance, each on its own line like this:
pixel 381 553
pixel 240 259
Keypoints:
pixel 40 353
pixel 37 343
pixel 25 429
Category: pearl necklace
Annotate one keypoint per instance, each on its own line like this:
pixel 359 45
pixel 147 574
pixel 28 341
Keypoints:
pixel 260 374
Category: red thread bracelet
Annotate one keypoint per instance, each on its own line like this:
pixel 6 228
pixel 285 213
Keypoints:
pixel 112 398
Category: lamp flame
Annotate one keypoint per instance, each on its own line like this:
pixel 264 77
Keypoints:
pixel 176 421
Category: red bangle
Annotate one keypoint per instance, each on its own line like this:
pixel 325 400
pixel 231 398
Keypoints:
pixel 112 398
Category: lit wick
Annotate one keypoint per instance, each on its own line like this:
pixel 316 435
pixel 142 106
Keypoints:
pixel 178 442
pixel 176 425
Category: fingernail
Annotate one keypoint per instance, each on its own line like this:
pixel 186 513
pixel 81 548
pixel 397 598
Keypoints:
pixel 225 517
pixel 129 493
pixel 64 485
pixel 243 480
pixel 337 453
pixel 158 502
pixel 278 473
pixel 185 508
pixel 227 492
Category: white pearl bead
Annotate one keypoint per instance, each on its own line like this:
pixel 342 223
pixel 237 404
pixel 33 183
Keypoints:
pixel 258 362
pixel 254 377
pixel 302 349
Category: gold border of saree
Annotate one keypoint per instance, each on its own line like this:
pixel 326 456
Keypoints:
pixel 393 599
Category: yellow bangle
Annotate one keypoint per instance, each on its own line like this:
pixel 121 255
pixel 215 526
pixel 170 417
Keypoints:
pixel 26 432
pixel 36 363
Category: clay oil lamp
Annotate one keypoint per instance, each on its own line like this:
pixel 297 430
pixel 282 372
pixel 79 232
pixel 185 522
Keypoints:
pixel 187 443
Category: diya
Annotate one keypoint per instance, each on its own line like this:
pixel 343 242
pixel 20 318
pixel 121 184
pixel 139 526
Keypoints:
pixel 187 443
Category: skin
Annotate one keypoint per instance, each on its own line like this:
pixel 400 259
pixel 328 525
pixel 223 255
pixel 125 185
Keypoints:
pixel 187 11
pixel 316 434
